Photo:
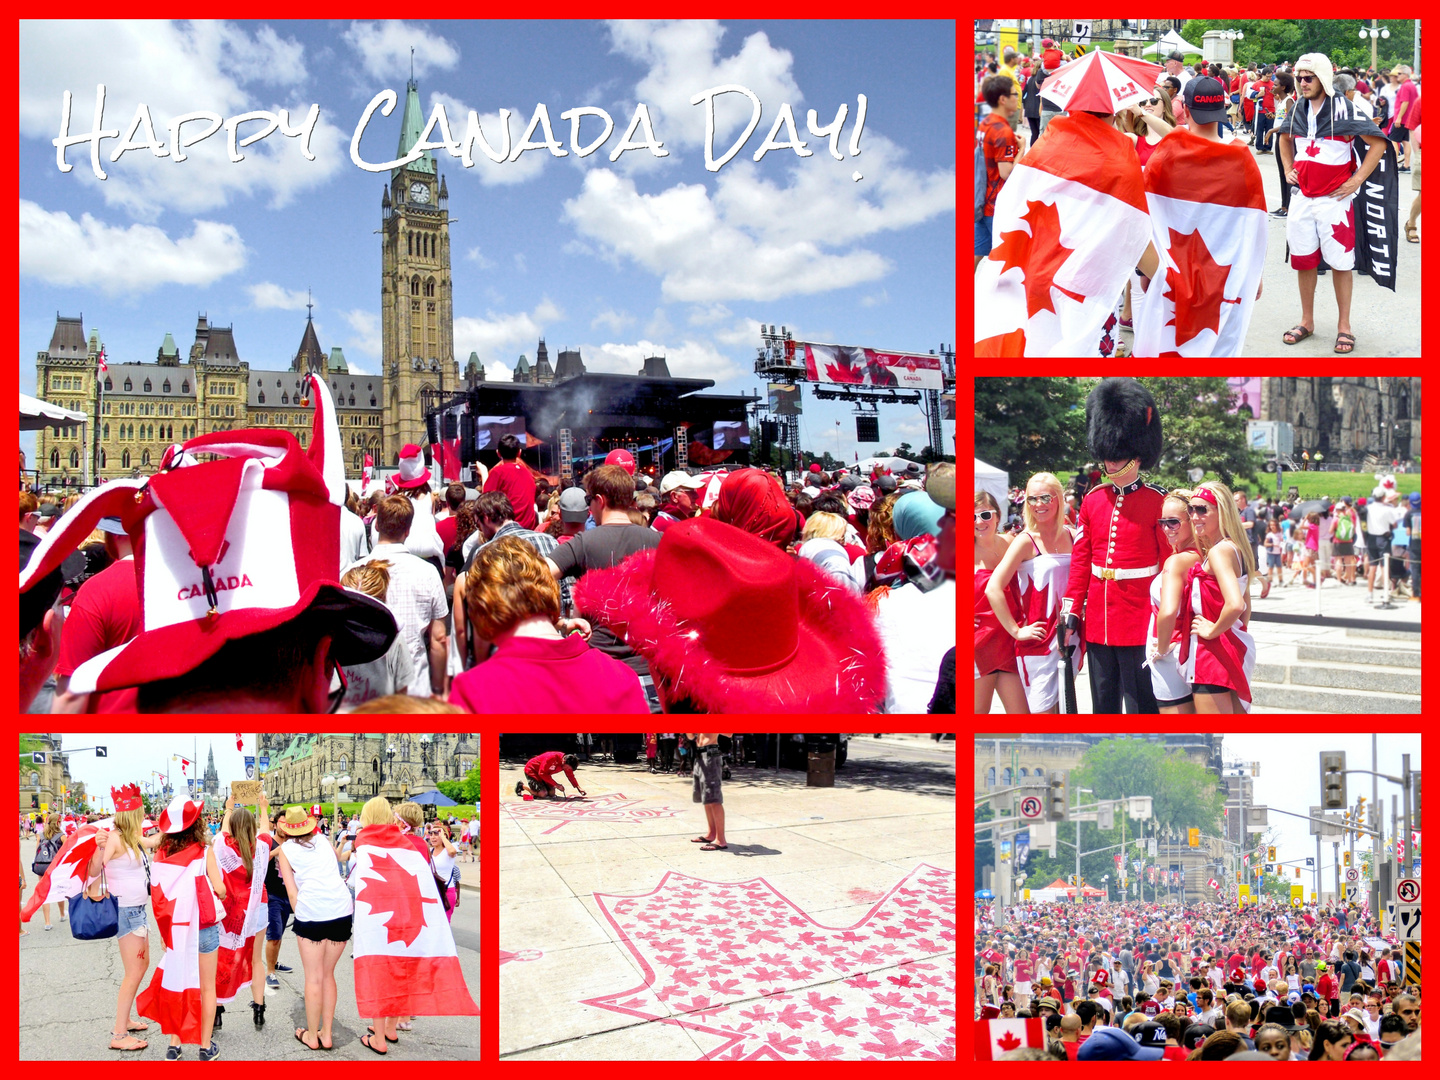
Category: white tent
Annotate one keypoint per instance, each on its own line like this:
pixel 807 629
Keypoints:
pixel 36 414
pixel 896 465
pixel 997 483
pixel 1170 42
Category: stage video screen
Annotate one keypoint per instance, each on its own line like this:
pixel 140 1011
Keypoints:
pixel 731 435
pixel 489 430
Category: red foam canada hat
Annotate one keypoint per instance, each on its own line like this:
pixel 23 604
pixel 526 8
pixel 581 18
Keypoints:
pixel 179 815
pixel 413 473
pixel 126 798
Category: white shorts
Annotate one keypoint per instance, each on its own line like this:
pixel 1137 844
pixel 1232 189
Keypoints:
pixel 1167 679
pixel 1311 230
pixel 1041 678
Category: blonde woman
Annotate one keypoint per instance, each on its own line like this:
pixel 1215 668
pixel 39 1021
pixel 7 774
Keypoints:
pixel 51 841
pixel 995 667
pixel 1221 653
pixel 1039 559
pixel 126 865
pixel 1167 591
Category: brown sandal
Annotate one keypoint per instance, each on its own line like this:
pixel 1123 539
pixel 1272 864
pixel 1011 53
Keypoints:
pixel 1340 338
pixel 136 1044
pixel 1411 234
pixel 1298 332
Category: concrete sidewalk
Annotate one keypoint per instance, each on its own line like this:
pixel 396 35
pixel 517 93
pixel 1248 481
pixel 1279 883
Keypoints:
pixel 827 930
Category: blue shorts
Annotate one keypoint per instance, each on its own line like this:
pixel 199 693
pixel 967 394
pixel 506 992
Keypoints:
pixel 982 235
pixel 209 939
pixel 133 921
pixel 1273 561
pixel 279 916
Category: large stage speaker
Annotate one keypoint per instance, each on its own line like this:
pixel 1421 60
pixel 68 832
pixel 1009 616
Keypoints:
pixel 867 429
pixel 451 424
pixel 467 433
pixel 432 428
pixel 769 431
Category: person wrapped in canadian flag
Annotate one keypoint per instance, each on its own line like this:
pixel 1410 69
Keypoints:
pixel 186 893
pixel 405 959
pixel 242 853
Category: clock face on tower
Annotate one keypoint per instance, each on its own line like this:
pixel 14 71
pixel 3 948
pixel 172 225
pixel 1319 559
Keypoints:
pixel 420 192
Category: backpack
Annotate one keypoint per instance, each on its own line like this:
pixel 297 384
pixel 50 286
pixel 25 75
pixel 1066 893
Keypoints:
pixel 1345 528
pixel 45 853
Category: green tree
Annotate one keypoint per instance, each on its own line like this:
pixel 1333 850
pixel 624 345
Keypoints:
pixel 1031 424
pixel 1273 41
pixel 1184 794
pixel 1201 433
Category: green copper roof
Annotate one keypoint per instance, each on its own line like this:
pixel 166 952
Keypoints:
pixel 168 347
pixel 411 126
pixel 522 365
pixel 337 360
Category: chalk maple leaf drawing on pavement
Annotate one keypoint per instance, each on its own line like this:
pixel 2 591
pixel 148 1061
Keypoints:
pixel 744 964
pixel 614 807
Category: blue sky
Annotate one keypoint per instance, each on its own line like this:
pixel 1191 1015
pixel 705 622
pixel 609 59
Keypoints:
pixel 618 259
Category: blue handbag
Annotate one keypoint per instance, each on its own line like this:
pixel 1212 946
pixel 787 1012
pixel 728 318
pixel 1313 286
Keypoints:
pixel 92 920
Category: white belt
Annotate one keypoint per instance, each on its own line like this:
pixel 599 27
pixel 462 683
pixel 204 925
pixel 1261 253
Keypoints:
pixel 1110 574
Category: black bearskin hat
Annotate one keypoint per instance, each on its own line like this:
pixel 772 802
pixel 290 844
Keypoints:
pixel 1123 422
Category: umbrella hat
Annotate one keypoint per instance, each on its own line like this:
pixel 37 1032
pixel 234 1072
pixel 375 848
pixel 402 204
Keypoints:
pixel 1101 82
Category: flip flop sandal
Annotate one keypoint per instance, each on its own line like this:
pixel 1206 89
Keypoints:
pixel 137 1027
pixel 300 1038
pixel 141 1044
pixel 1298 332
pixel 702 840
pixel 365 1042
pixel 716 847
pixel 387 1037
pixel 1345 337
pixel 1411 234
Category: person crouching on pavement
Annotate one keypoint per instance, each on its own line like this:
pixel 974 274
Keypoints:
pixel 540 774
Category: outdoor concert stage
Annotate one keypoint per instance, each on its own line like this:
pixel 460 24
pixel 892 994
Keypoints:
pixel 601 413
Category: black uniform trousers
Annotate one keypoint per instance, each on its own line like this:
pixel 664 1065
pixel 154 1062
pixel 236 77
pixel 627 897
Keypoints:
pixel 1116 675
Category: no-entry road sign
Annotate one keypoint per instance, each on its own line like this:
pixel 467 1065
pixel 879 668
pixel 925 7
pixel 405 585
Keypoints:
pixel 1031 807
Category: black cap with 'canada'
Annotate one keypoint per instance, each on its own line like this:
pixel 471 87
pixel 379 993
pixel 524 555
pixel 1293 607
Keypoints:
pixel 1206 99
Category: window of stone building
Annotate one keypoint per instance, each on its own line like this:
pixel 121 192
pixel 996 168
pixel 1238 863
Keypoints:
pixel 55 459
pixel 102 457
pixel 990 777
pixel 165 386
pixel 185 387
pixel 105 432
pixel 108 384
pixel 145 457
pixel 128 386
pixel 147 386
pixel 125 459
pixel 1005 777
pixel 262 397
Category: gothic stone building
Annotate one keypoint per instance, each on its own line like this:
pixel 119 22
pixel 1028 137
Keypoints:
pixel 298 763
pixel 147 406
pixel 1349 418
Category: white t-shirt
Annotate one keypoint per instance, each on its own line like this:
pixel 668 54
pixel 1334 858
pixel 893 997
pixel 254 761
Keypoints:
pixel 474 827
pixel 916 629
pixel 1388 93
pixel 1363 107
pixel 1379 518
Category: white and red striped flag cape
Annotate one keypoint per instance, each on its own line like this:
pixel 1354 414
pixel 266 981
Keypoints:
pixel 64 878
pixel 1070 224
pixel 405 960
pixel 244 914
pixel 1210 226
pixel 181 896
pixel 995 1037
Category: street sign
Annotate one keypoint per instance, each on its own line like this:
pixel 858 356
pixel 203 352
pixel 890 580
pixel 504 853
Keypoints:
pixel 1407 922
pixel 1353 874
pixel 1412 962
pixel 1408 891
pixel 1081 32
pixel 1031 807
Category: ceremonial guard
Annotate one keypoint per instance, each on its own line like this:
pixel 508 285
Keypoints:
pixel 1119 548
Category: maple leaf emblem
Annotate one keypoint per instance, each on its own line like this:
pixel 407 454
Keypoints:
pixel 1008 1041
pixel 817 1052
pixel 1038 253
pixel 1344 230
pixel 1313 150
pixel 397 891
pixel 890 1047
pixel 1196 286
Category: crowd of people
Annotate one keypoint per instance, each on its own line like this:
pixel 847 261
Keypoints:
pixel 1138 980
pixel 222 893
pixel 618 593
pixel 1327 129
pixel 1161 584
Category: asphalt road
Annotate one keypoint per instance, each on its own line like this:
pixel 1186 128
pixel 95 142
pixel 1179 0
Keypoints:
pixel 68 988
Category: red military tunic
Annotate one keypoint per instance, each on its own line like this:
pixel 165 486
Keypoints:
pixel 1119 530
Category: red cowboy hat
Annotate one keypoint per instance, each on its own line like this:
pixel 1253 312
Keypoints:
pixel 736 625
pixel 225 549
pixel 413 473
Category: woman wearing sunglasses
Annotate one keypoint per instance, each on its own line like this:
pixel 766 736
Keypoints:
pixel 1221 654
pixel 995 669
pixel 1173 693
pixel 1039 560
pixel 1145 124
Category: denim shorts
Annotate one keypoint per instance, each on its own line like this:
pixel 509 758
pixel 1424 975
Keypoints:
pixel 133 921
pixel 982 235
pixel 279 915
pixel 209 939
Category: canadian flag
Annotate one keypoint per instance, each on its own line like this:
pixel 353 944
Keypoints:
pixel 101 361
pixel 64 878
pixel 182 900
pixel 405 960
pixel 1070 224
pixel 1213 883
pixel 995 1037
pixel 184 762
pixel 237 931
pixel 366 471
pixel 239 741
pixel 1207 213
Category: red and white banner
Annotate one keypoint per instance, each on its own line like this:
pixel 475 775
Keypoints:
pixel 1070 225
pixel 367 472
pixel 244 914
pixel 852 365
pixel 405 960
pixel 1213 883
pixel 995 1037
pixel 182 899
pixel 1210 226
pixel 64 879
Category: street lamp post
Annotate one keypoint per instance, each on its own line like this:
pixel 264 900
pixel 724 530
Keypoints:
pixel 1373 32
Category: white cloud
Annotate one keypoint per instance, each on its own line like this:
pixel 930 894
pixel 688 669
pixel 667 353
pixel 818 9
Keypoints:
pixel 269 295
pixel 476 256
pixel 708 314
pixel 659 324
pixel 871 299
pixel 519 258
pixel 615 320
pixel 688 360
pixel 365 336
pixel 547 311
pixel 683 59
pixel 498 372
pixel 175 68
pixel 508 335
pixel 88 253
pixel 384 49
pixel 746 332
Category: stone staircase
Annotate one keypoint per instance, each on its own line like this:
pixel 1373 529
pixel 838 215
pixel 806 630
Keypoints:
pixel 1368 671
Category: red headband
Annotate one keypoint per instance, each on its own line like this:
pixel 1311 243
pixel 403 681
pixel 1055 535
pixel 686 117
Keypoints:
pixel 1208 496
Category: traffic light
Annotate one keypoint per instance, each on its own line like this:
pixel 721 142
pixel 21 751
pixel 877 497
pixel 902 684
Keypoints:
pixel 1058 805
pixel 1271 850
pixel 1332 779
pixel 1360 811
pixel 1194 837
pixel 1345 858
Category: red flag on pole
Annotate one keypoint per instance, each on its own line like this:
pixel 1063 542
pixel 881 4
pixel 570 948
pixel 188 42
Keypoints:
pixel 239 741
pixel 365 472
pixel 104 367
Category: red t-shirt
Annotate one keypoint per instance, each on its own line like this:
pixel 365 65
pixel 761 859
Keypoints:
pixel 1175 1053
pixel 518 483
pixel 446 528
pixel 1268 101
pixel 104 614
pixel 1000 145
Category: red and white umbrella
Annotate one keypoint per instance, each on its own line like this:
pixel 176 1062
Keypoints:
pixel 1101 82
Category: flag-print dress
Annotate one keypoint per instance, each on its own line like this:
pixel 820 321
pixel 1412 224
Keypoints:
pixel 1230 658
pixel 1042 586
